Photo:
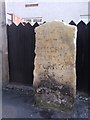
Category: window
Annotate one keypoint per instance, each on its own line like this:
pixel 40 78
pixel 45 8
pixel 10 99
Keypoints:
pixel 37 20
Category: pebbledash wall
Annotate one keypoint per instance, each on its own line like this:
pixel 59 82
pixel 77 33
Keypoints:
pixel 21 46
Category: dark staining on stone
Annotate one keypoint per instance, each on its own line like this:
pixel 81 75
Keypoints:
pixel 62 67
pixel 55 39
pixel 53 95
pixel 65 53
pixel 53 75
pixel 52 67
pixel 49 67
pixel 60 54
pixel 59 64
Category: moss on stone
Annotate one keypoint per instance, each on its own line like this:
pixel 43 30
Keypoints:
pixel 55 100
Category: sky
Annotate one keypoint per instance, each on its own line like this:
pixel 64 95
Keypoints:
pixel 48 0
pixel 50 10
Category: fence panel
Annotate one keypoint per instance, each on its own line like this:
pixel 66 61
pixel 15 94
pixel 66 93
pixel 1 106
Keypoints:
pixel 21 41
pixel 88 55
pixel 80 58
pixel 29 53
pixel 72 23
pixel 12 40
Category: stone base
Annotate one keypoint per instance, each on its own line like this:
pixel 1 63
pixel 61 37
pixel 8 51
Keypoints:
pixel 51 96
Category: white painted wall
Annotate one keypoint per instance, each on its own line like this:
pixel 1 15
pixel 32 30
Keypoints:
pixel 50 11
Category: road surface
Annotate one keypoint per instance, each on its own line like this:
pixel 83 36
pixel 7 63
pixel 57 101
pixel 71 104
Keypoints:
pixel 17 103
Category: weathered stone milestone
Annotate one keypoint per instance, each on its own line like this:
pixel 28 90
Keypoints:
pixel 55 73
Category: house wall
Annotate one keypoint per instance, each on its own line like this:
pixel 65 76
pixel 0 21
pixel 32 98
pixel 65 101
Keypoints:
pixel 17 20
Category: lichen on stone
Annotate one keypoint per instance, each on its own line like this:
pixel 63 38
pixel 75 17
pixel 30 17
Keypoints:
pixel 53 96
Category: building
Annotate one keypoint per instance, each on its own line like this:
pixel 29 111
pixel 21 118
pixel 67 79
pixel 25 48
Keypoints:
pixel 11 18
pixel 85 18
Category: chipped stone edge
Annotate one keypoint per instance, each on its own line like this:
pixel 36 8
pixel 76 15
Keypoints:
pixel 75 38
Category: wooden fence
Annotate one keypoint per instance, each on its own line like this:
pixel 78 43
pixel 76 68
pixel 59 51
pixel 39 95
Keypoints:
pixel 21 46
pixel 82 57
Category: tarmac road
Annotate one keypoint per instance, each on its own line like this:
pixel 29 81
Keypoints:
pixel 20 104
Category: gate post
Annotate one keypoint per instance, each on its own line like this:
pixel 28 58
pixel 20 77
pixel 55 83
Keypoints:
pixel 3 42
